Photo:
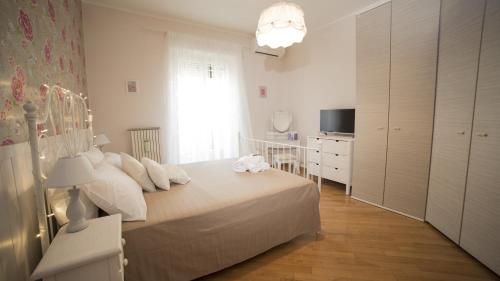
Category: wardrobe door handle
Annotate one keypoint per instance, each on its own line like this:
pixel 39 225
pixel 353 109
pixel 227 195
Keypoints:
pixel 482 135
pixel 396 129
pixel 380 128
pixel 460 132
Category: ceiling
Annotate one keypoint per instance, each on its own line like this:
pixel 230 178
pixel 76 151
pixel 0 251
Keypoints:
pixel 237 15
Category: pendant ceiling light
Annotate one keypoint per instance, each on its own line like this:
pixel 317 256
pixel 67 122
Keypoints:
pixel 281 25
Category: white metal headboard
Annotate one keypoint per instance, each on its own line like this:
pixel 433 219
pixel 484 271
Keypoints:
pixel 58 126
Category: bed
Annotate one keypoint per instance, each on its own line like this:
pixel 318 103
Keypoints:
pixel 217 220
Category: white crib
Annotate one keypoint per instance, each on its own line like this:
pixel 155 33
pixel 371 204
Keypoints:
pixel 281 155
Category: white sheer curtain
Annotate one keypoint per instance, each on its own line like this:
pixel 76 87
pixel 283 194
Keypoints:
pixel 206 100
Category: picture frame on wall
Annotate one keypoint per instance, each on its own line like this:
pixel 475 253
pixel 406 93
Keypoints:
pixel 132 86
pixel 263 92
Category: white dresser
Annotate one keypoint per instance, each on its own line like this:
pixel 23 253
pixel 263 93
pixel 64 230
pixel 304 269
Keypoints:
pixel 95 253
pixel 336 160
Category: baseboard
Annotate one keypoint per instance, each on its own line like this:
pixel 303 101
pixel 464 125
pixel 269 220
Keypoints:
pixel 388 209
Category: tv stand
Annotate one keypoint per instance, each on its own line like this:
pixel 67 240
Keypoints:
pixel 336 159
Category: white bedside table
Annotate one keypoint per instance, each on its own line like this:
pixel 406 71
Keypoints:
pixel 95 253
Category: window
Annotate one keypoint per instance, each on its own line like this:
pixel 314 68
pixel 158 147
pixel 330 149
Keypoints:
pixel 206 103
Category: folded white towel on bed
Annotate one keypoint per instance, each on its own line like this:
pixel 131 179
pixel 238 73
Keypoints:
pixel 251 163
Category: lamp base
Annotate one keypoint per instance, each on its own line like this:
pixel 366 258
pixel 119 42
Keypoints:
pixel 75 212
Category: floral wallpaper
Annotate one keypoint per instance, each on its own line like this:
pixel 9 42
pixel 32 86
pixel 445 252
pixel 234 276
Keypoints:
pixel 41 42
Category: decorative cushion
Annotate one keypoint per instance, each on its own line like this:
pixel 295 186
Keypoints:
pixel 113 159
pixel 136 170
pixel 176 174
pixel 94 155
pixel 115 192
pixel 157 173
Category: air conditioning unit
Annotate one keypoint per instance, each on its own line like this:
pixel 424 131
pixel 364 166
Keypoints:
pixel 264 50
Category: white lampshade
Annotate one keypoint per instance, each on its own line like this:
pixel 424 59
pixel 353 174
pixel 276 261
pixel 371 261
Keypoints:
pixel 281 25
pixel 70 171
pixel 101 139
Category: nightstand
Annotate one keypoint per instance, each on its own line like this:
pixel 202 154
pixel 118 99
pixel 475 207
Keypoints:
pixel 95 253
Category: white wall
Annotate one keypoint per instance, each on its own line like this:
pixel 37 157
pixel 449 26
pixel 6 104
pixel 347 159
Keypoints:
pixel 321 74
pixel 120 45
pixel 318 73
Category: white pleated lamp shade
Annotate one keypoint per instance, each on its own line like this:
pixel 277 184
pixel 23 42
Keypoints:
pixel 281 25
pixel 101 139
pixel 70 171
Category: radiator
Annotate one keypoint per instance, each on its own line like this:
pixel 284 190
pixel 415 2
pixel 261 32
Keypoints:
pixel 146 143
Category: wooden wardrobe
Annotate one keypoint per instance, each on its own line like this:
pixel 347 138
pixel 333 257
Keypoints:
pixel 460 43
pixel 464 187
pixel 396 67
pixel 372 106
pixel 432 84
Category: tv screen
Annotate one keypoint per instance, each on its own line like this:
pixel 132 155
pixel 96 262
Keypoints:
pixel 337 120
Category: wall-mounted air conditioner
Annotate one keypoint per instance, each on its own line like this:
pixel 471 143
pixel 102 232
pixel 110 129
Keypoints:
pixel 277 53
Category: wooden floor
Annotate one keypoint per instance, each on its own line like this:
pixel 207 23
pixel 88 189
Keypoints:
pixel 361 242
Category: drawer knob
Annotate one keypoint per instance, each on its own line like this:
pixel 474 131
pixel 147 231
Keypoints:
pixel 482 135
pixel 124 242
pixel 460 132
pixel 397 129
pixel 336 154
pixel 125 262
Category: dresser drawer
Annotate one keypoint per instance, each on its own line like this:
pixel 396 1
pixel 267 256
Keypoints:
pixel 330 145
pixel 331 173
pixel 329 159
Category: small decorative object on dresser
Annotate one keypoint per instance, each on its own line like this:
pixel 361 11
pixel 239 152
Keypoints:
pixel 95 253
pixel 71 172
pixel 336 159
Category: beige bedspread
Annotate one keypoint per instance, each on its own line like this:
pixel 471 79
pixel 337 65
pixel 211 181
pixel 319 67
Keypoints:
pixel 218 219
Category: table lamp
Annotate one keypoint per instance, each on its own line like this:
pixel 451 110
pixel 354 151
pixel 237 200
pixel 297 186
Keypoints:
pixel 72 171
pixel 101 140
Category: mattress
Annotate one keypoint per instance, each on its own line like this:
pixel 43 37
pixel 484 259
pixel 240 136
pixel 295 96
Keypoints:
pixel 218 219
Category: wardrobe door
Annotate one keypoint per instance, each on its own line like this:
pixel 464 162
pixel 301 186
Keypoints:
pixel 481 218
pixel 373 63
pixel 414 38
pixel 459 45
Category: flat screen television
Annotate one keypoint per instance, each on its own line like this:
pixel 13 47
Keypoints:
pixel 337 121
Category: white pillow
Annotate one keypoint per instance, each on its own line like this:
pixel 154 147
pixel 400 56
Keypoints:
pixel 157 173
pixel 176 174
pixel 113 159
pixel 137 171
pixel 115 192
pixel 94 155
pixel 59 201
